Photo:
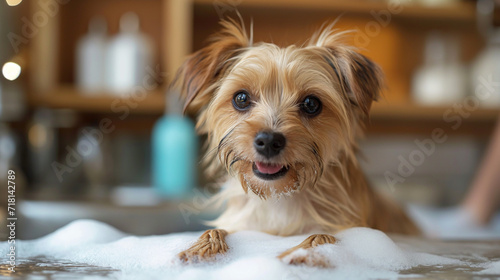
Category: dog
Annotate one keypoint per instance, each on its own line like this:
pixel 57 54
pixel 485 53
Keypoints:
pixel 281 126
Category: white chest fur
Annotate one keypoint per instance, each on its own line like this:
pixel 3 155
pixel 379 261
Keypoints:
pixel 285 215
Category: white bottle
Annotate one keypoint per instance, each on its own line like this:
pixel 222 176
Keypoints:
pixel 485 76
pixel 442 79
pixel 128 56
pixel 90 57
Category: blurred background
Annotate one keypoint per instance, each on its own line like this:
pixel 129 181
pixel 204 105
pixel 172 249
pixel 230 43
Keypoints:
pixel 87 127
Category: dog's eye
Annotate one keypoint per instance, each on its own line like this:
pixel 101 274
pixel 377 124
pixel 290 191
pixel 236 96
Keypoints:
pixel 241 101
pixel 311 106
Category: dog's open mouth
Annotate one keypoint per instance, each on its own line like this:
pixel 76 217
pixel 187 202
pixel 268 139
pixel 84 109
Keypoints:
pixel 267 171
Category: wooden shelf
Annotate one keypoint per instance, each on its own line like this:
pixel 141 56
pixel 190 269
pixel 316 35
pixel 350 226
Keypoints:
pixel 67 97
pixel 399 112
pixel 413 119
pixel 462 11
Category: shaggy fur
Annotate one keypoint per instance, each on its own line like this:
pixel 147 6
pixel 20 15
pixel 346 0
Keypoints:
pixel 324 190
pixel 210 243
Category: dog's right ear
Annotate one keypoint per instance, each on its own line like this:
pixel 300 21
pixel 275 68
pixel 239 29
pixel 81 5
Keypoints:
pixel 199 74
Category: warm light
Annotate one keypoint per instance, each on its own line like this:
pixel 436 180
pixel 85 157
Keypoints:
pixel 13 2
pixel 11 71
pixel 37 136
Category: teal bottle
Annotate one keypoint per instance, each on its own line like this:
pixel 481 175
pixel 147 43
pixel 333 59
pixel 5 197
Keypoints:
pixel 175 156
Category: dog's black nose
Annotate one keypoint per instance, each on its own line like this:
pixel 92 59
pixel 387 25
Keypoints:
pixel 269 144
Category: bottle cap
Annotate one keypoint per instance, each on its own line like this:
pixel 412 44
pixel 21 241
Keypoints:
pixel 129 22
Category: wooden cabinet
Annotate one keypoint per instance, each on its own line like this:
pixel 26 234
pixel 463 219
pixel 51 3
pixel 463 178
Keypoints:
pixel 392 35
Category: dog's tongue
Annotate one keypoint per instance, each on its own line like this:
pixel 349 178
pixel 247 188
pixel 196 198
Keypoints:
pixel 268 168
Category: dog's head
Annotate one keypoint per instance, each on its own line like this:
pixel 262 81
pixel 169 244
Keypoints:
pixel 276 117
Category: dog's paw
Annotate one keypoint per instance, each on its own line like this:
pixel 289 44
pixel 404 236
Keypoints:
pixel 201 253
pixel 309 257
pixel 206 248
pixel 305 252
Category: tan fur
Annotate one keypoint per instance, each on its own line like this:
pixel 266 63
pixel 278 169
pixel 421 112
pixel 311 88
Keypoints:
pixel 324 189
pixel 310 242
pixel 210 243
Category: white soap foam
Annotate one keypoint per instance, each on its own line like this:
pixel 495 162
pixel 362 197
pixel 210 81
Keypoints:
pixel 453 223
pixel 360 253
pixel 492 268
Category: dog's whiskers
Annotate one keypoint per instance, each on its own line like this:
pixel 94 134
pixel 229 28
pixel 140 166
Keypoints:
pixel 317 168
pixel 209 153
pixel 222 142
pixel 226 158
pixel 235 160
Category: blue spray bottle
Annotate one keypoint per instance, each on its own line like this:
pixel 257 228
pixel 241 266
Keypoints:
pixel 175 152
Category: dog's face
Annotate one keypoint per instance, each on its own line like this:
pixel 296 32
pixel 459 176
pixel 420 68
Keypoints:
pixel 276 117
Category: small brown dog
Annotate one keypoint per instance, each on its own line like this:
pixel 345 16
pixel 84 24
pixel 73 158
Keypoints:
pixel 281 125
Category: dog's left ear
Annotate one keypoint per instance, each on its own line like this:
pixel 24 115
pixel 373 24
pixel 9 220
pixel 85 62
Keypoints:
pixel 361 79
pixel 199 73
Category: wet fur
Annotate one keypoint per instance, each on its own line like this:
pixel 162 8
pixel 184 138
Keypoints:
pixel 324 191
